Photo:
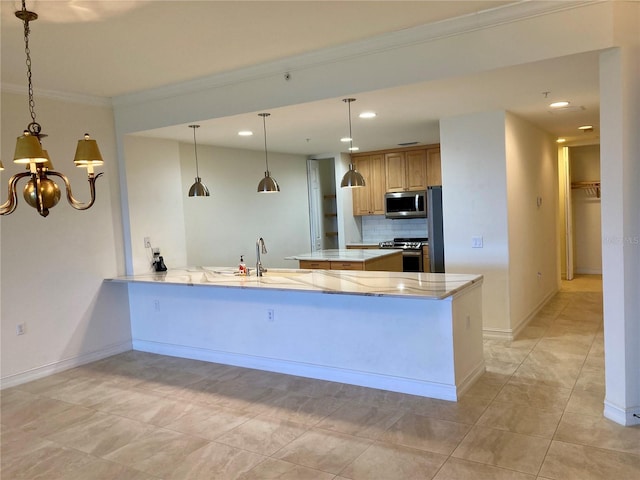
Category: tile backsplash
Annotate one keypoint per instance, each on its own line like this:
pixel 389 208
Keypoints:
pixel 377 228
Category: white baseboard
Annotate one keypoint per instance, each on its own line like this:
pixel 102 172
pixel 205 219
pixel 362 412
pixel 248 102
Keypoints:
pixel 320 372
pixel 512 333
pixel 623 416
pixel 498 333
pixel 588 271
pixel 62 365
pixel 471 378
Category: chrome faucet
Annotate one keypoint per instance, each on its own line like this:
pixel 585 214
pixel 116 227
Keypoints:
pixel 260 246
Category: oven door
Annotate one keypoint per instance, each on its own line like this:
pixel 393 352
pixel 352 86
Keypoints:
pixel 412 261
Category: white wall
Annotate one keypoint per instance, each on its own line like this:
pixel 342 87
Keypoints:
pixel 155 201
pixel 587 231
pixel 475 204
pixel 53 268
pixel 225 225
pixel 620 176
pixel 495 166
pixel 532 196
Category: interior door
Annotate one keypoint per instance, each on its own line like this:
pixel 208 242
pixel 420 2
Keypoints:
pixel 568 214
pixel 315 205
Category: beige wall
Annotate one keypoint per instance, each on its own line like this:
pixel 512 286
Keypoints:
pixel 532 186
pixel 53 268
pixel 495 166
pixel 475 204
pixel 155 201
pixel 225 225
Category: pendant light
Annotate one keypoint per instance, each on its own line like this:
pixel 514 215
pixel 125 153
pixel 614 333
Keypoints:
pixel 198 189
pixel 352 178
pixel 268 184
pixel 41 192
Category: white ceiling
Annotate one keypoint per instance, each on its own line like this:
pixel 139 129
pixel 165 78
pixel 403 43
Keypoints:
pixel 112 48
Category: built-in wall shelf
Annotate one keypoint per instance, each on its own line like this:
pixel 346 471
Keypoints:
pixel 330 214
pixel 329 197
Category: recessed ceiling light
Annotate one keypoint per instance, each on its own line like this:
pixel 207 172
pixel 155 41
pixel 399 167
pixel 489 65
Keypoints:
pixel 367 115
pixel 561 104
pixel 346 139
pixel 245 133
pixel 561 140
pixel 354 149
pixel 586 128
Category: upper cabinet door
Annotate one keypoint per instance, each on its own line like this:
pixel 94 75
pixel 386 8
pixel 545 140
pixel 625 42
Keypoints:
pixel 416 162
pixel 378 184
pixel 396 173
pixel 361 196
pixel 434 171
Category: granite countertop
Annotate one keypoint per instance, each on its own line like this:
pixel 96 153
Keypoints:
pixel 345 255
pixel 428 286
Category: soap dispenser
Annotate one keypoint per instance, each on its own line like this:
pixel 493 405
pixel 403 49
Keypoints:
pixel 242 268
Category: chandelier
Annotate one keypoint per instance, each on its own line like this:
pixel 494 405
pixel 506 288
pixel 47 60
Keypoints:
pixel 40 191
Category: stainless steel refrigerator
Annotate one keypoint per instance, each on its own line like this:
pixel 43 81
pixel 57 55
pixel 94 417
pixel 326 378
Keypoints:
pixel 436 233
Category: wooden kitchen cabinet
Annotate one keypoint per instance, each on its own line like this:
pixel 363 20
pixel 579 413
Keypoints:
pixel 369 200
pixel 347 265
pixel 406 171
pixel 315 264
pixel 434 170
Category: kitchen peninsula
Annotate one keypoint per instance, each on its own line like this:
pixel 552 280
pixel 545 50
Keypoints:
pixel 416 333
pixel 349 259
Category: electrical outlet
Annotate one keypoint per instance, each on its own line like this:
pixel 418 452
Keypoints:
pixel 156 305
pixel 21 329
pixel 147 242
pixel 271 316
pixel 476 242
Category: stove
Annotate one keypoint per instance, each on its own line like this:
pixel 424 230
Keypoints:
pixel 405 243
pixel 412 256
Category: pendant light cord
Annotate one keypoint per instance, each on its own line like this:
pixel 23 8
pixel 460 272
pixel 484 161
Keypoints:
pixel 195 148
pixel 264 127
pixel 350 134
pixel 26 16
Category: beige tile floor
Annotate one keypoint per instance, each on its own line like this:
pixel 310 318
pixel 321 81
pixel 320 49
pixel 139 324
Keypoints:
pixel 536 413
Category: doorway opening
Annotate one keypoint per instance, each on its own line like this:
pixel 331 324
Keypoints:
pixel 323 210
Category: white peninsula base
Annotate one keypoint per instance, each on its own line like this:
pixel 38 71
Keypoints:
pixel 405 343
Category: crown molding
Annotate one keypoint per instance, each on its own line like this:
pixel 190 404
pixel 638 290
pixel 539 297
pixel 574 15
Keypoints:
pixel 90 100
pixel 392 40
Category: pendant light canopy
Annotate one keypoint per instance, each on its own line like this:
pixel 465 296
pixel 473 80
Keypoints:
pixel 352 178
pixel 268 184
pixel 198 189
pixel 41 192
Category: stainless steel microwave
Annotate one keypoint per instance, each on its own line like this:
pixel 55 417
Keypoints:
pixel 405 204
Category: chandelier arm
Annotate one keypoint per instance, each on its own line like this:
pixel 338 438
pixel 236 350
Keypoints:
pixel 72 201
pixel 12 202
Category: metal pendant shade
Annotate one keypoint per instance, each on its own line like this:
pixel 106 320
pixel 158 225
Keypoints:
pixel 28 149
pixel 268 184
pixel 198 189
pixel 87 153
pixel 353 178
